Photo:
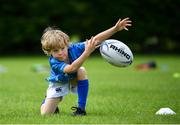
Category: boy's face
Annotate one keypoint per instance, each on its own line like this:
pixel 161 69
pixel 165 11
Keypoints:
pixel 60 53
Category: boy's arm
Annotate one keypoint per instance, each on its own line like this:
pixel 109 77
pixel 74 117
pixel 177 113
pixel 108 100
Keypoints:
pixel 120 25
pixel 89 48
pixel 93 43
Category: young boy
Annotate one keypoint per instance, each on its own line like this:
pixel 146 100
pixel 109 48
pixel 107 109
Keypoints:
pixel 66 62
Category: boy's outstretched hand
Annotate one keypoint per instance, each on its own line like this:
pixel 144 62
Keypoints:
pixel 91 45
pixel 123 24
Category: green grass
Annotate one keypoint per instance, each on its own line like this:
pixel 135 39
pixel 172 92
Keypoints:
pixel 117 95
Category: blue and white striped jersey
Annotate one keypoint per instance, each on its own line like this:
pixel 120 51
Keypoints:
pixel 57 66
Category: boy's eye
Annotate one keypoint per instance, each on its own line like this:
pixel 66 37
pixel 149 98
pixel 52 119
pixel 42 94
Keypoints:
pixel 62 48
pixel 56 50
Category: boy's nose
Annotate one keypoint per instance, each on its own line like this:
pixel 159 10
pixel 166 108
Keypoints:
pixel 59 51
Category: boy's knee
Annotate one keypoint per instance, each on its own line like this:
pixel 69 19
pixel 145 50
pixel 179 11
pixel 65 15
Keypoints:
pixel 81 73
pixel 50 107
pixel 46 112
pixel 43 111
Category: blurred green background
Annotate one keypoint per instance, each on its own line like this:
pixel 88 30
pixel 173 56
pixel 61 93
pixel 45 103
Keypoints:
pixel 155 23
pixel 136 95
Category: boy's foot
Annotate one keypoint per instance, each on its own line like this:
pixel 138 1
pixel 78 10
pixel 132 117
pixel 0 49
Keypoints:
pixel 78 111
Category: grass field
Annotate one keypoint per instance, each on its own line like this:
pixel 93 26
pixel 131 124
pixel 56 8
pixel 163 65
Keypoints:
pixel 117 95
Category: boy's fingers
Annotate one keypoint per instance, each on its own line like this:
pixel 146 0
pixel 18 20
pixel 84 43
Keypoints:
pixel 87 41
pixel 129 21
pixel 128 24
pixel 126 28
pixel 91 39
pixel 126 19
pixel 119 20
pixel 98 46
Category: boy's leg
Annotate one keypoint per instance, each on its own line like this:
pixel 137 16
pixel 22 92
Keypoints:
pixel 82 89
pixel 49 106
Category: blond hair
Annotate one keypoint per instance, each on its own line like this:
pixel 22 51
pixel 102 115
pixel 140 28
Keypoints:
pixel 53 38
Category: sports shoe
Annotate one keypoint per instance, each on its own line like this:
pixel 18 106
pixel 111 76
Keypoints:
pixel 56 111
pixel 78 111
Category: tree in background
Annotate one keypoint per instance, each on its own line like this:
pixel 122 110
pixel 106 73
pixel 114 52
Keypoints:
pixel 155 22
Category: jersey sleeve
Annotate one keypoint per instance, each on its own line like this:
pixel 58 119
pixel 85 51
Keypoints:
pixel 57 66
pixel 80 46
pixel 76 50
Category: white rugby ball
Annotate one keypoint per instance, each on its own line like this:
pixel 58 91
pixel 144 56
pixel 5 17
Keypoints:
pixel 116 53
